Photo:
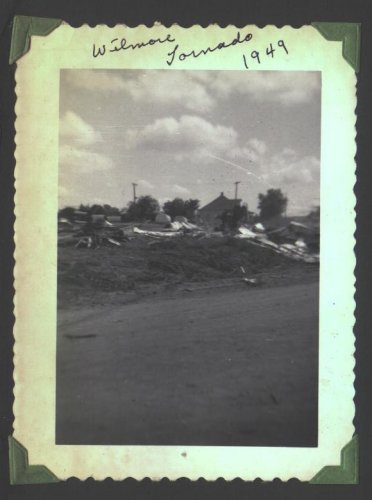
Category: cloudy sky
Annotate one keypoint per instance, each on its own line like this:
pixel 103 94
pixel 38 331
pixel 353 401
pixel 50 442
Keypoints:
pixel 189 134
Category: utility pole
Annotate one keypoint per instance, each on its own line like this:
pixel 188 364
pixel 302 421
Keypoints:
pixel 236 190
pixel 134 192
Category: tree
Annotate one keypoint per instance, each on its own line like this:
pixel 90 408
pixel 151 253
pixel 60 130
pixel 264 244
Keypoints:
pixel 272 203
pixel 231 219
pixel 97 210
pixel 84 208
pixel 175 207
pixel 180 207
pixel 67 213
pixel 109 210
pixel 191 206
pixel 145 208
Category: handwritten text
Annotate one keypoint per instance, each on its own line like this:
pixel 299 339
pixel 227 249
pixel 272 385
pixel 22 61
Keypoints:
pixel 180 55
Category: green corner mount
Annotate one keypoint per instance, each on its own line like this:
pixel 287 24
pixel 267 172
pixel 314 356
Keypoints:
pixel 23 473
pixel 345 473
pixel 20 470
pixel 348 34
pixel 23 28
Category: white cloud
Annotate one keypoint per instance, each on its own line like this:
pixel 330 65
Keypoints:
pixel 192 138
pixel 177 189
pixel 96 80
pixel 287 153
pixel 189 136
pixel 142 183
pixel 198 91
pixel 252 152
pixel 73 128
pixel 258 145
pixel 244 154
pixel 76 136
pixel 288 169
pixel 170 87
pixel 285 87
pixel 297 176
pixel 160 87
pixel 85 162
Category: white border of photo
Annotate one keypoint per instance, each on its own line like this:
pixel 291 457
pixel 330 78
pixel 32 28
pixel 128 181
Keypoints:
pixel 36 199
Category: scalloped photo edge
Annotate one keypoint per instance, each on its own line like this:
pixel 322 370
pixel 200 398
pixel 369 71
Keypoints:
pixel 42 49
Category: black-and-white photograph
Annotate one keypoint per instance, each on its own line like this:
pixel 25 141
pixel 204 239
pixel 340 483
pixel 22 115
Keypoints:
pixel 188 258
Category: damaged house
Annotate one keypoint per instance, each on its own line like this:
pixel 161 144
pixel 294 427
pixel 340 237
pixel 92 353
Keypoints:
pixel 211 213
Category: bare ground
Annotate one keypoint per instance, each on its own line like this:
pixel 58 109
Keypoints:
pixel 217 366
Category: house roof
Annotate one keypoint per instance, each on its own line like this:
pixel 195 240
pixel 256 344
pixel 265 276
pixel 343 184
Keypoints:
pixel 220 204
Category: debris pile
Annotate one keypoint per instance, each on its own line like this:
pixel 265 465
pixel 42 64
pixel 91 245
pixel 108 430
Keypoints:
pixel 93 234
pixel 155 234
pixel 296 241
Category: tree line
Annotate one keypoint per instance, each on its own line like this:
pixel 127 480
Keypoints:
pixel 270 204
pixel 144 208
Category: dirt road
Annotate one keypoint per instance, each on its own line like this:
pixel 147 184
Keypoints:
pixel 232 367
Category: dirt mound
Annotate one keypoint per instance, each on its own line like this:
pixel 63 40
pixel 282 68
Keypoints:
pixel 206 259
pixel 140 264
